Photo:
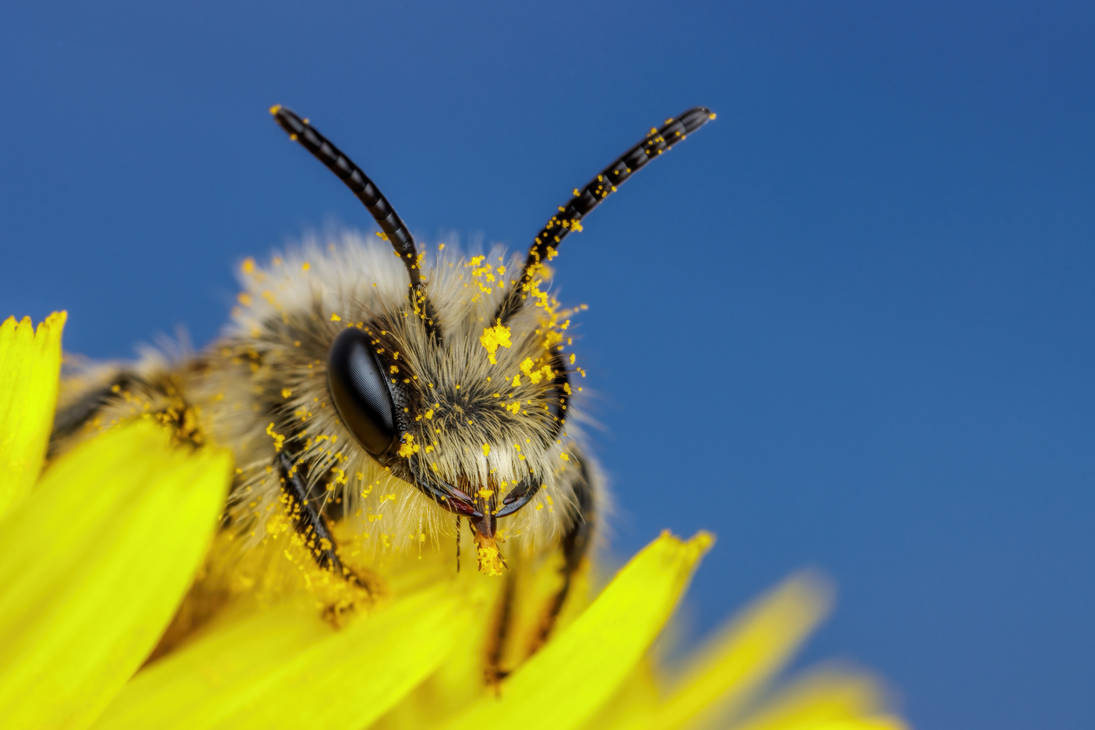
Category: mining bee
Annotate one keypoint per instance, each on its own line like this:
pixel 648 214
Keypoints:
pixel 402 398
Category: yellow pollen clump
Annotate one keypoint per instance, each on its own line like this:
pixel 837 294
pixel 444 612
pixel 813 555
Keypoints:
pixel 486 449
pixel 244 298
pixel 335 317
pixel 408 447
pixel 490 558
pixel 305 266
pixel 279 439
pixel 248 265
pixel 285 392
pixel 493 338
pixel 538 374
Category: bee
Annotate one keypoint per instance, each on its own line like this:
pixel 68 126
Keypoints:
pixel 397 397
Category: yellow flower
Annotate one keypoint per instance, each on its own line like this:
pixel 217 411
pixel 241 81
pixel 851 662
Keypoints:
pixel 98 552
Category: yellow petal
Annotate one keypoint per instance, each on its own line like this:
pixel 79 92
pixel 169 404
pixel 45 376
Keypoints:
pixel 830 700
pixel 93 567
pixel 749 651
pixel 30 363
pixel 284 667
pixel 637 698
pixel 575 673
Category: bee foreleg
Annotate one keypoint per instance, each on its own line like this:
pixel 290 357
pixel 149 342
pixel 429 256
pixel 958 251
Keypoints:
pixel 71 418
pixel 311 526
pixel 497 638
pixel 575 546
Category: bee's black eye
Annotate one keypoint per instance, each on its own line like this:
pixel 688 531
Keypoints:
pixel 360 391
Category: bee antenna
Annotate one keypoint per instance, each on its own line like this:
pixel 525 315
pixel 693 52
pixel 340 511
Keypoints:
pixel 569 216
pixel 391 225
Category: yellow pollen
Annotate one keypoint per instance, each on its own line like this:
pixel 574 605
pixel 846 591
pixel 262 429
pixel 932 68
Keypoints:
pixel 493 338
pixel 335 317
pixel 279 439
pixel 408 447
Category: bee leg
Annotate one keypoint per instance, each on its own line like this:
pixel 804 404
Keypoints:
pixel 313 530
pixel 575 546
pixel 493 672
pixel 70 419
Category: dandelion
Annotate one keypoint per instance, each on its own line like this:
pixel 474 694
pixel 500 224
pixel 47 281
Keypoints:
pixel 98 552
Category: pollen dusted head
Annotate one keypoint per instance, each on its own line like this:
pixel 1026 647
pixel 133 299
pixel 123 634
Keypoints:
pixel 474 421
pixel 455 380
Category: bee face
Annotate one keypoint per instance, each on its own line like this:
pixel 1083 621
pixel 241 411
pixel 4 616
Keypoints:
pixel 470 421
pixel 465 401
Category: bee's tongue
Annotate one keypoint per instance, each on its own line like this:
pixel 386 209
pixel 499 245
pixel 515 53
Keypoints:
pixel 484 526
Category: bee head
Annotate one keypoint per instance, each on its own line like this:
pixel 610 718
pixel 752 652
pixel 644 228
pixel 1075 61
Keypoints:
pixel 468 409
pixel 472 423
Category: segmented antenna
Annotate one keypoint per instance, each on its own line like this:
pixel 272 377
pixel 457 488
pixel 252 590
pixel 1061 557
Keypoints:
pixel 394 229
pixel 589 197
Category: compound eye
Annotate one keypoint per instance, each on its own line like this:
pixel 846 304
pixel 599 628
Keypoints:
pixel 360 391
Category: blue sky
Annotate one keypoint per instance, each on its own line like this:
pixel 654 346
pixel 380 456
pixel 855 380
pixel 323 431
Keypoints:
pixel 846 326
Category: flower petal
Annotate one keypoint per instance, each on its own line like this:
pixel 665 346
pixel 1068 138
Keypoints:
pixel 284 667
pixel 93 567
pixel 30 363
pixel 750 650
pixel 575 673
pixel 830 699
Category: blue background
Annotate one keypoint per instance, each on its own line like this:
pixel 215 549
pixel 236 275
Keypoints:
pixel 847 325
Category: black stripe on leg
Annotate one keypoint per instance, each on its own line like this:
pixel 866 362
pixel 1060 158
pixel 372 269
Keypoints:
pixel 70 419
pixel 575 546
pixel 307 520
pixel 499 635
pixel 310 524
